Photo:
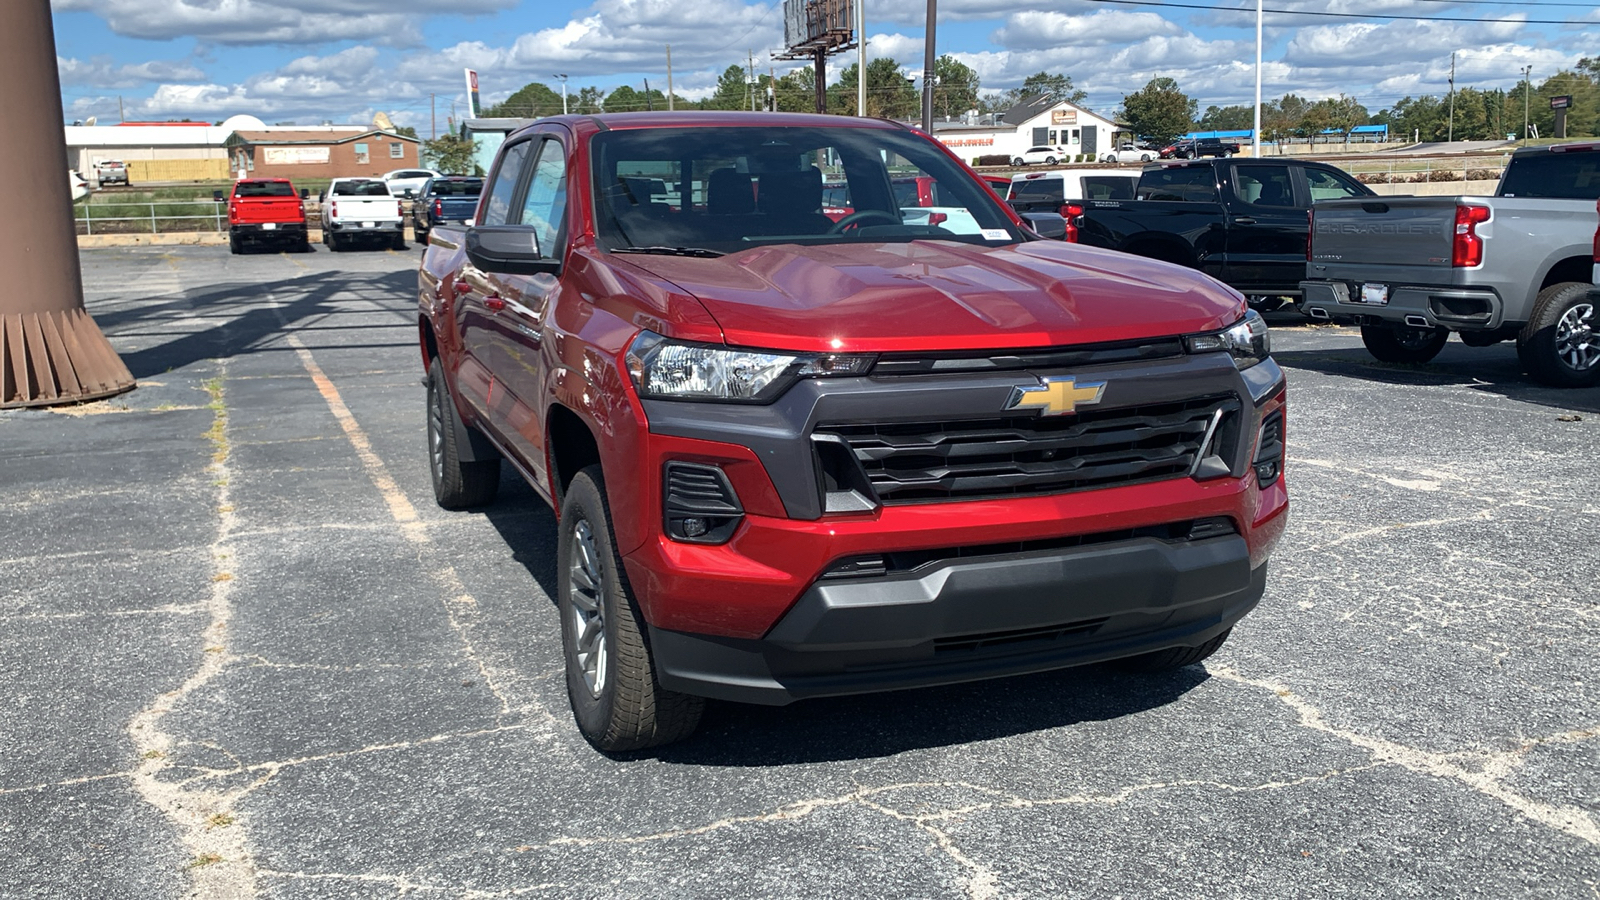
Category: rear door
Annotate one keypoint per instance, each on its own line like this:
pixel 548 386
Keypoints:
pixel 1266 228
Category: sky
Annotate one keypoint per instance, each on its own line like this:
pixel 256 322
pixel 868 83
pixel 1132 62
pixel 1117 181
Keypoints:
pixel 294 61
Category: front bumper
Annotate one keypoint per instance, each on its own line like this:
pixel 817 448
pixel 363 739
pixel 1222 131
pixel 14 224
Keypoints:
pixel 959 621
pixel 1456 308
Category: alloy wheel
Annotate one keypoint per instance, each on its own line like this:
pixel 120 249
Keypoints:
pixel 1576 341
pixel 588 625
pixel 436 432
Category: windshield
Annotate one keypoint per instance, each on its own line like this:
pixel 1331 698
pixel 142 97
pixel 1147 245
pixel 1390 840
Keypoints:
pixel 457 188
pixel 361 189
pixel 728 189
pixel 264 189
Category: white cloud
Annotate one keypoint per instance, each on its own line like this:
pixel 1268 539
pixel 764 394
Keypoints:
pixel 102 72
pixel 272 21
pixel 1045 30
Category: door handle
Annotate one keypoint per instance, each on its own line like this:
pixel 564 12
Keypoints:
pixel 493 303
pixel 1243 220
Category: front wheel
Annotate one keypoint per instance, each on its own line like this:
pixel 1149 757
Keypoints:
pixel 456 484
pixel 1400 344
pixel 1017 161
pixel 1144 157
pixel 611 679
pixel 1559 346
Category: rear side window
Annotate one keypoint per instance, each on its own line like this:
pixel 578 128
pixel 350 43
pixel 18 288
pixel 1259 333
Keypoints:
pixel 498 209
pixel 264 189
pixel 1106 187
pixel 361 189
pixel 1192 184
pixel 1567 176
pixel 1039 190
pixel 457 188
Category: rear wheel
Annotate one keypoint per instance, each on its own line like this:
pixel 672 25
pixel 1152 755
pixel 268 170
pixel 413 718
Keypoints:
pixel 1017 161
pixel 456 484
pixel 1400 344
pixel 235 246
pixel 399 241
pixel 1560 345
pixel 611 679
pixel 1173 657
pixel 335 241
pixel 1049 160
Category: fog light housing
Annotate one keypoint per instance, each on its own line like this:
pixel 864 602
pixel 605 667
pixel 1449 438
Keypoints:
pixel 699 503
pixel 1268 460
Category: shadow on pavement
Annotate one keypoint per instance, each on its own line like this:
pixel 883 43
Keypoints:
pixel 528 527
pixel 1491 370
pixel 878 725
pixel 301 300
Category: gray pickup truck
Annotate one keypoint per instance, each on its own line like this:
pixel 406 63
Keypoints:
pixel 1520 264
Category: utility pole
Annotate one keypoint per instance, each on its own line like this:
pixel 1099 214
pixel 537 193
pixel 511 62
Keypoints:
pixel 1256 132
pixel 751 88
pixel 772 88
pixel 1527 75
pixel 669 77
pixel 649 104
pixel 1451 134
pixel 121 116
pixel 861 59
pixel 433 114
pixel 927 68
pixel 563 93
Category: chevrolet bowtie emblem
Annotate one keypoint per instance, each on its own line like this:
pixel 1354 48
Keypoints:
pixel 1056 396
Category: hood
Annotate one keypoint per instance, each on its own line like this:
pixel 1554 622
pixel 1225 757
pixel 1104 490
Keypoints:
pixel 945 295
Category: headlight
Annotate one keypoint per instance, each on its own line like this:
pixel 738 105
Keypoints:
pixel 1246 339
pixel 673 370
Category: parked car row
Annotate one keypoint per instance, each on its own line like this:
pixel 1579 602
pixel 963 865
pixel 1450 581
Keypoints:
pixel 269 211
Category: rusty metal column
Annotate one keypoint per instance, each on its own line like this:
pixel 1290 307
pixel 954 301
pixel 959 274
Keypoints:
pixel 50 350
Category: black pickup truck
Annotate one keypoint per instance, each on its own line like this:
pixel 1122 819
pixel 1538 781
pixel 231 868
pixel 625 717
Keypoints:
pixel 1242 222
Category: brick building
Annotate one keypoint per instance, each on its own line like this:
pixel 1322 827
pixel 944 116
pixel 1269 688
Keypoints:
pixel 319 153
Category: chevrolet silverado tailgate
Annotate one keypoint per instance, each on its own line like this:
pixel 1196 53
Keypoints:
pixel 1349 235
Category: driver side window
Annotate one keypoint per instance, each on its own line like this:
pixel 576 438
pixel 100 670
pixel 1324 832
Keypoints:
pixel 497 211
pixel 545 206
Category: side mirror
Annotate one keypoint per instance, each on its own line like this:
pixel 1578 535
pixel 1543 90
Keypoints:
pixel 1047 225
pixel 305 193
pixel 321 196
pixel 514 250
pixel 217 196
pixel 409 194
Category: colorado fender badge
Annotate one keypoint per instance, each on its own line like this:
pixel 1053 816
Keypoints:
pixel 1056 396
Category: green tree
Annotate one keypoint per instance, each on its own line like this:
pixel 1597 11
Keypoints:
pixel 626 99
pixel 590 100
pixel 449 152
pixel 532 101
pixel 1226 118
pixel 889 93
pixel 1056 87
pixel 1415 118
pixel 1284 118
pixel 733 92
pixel 1159 111
pixel 1583 115
pixel 1342 115
pixel 406 130
pixel 955 87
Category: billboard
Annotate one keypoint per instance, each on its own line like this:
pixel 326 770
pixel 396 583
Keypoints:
pixel 473 104
pixel 810 25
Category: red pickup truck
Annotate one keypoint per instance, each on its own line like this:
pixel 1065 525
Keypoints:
pixel 793 457
pixel 266 211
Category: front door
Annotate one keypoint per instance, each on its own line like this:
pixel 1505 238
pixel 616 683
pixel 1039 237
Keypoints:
pixel 475 291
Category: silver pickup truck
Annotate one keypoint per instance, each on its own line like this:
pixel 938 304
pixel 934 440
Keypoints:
pixel 1410 270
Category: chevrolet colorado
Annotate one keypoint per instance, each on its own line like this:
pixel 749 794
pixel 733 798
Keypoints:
pixel 1410 270
pixel 795 457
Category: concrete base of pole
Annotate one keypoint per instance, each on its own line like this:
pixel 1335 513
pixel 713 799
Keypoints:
pixel 57 356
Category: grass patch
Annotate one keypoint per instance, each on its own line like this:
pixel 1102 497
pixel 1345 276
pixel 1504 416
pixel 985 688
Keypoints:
pixel 203 860
pixel 220 820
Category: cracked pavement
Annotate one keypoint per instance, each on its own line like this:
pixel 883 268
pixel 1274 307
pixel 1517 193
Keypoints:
pixel 249 657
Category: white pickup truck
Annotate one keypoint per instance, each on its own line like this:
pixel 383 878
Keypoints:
pixel 357 209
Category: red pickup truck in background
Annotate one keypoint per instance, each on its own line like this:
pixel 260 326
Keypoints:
pixel 266 211
pixel 796 457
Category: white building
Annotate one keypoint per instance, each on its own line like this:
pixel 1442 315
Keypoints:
pixel 1036 123
pixel 168 151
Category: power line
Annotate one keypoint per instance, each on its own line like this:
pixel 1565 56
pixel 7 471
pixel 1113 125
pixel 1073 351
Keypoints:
pixel 1334 15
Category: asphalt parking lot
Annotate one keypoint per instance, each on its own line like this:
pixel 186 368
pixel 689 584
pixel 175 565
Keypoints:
pixel 247 656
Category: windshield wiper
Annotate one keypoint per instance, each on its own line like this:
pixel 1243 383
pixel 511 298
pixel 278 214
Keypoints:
pixel 700 252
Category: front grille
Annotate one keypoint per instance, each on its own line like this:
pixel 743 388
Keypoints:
pixel 909 462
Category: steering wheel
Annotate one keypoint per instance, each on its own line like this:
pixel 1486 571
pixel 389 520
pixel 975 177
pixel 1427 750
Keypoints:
pixel 861 215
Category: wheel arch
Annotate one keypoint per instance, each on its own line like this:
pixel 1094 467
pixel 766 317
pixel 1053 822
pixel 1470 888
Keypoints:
pixel 571 448
pixel 1572 268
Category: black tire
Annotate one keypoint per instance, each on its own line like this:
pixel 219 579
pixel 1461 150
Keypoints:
pixel 456 484
pixel 616 699
pixel 1145 157
pixel 1049 160
pixel 399 241
pixel 304 246
pixel 335 242
pixel 1560 345
pixel 1399 344
pixel 235 246
pixel 1017 161
pixel 422 236
pixel 1173 657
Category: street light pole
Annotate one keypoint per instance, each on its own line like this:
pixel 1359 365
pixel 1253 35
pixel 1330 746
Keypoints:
pixel 861 60
pixel 1256 133
pixel 563 92
pixel 927 69
pixel 1527 82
